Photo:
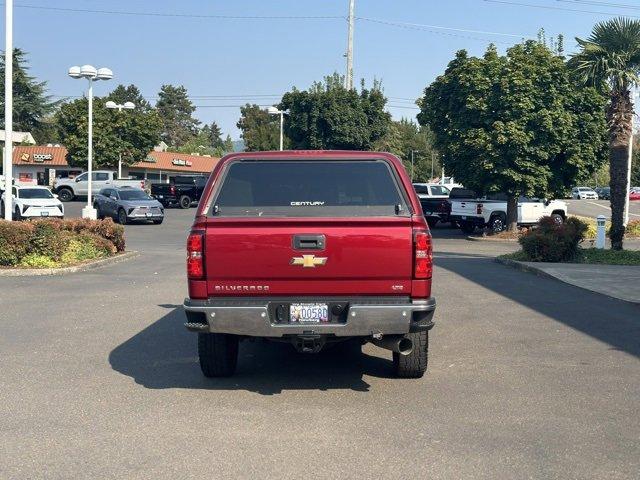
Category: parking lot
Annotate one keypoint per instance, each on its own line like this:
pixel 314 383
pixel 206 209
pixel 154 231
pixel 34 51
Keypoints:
pixel 528 378
pixel 593 208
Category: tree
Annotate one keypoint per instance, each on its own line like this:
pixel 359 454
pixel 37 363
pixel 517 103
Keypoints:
pixel 215 135
pixel 515 123
pixel 259 130
pixel 32 107
pixel 132 133
pixel 610 60
pixel 405 136
pixel 130 93
pixel 175 110
pixel 328 116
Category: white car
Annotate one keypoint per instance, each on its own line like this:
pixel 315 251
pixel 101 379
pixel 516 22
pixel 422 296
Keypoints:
pixel 32 202
pixel 584 193
pixel 431 190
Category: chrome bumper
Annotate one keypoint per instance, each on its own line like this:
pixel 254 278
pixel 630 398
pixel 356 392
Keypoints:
pixel 362 319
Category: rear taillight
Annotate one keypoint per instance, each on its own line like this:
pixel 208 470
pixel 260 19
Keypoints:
pixel 479 208
pixel 423 254
pixel 195 255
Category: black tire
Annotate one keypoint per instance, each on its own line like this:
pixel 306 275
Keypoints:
pixel 467 227
pixel 497 223
pixel 432 222
pixel 218 354
pixel 16 214
pixel 185 201
pixel 559 219
pixel 1 210
pixel 158 222
pixel 65 195
pixel 99 214
pixel 122 217
pixel 415 364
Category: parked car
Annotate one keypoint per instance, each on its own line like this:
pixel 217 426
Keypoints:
pixel 584 193
pixel 70 188
pixel 634 195
pixel 604 193
pixel 33 202
pixel 310 248
pixel 492 213
pixel 127 204
pixel 433 198
pixel 183 190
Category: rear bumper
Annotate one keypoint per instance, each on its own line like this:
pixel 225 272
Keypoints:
pixel 163 198
pixel 479 221
pixel 363 319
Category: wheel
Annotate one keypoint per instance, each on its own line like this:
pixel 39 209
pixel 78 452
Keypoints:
pixel 185 201
pixel 432 222
pixel 415 364
pixel 65 195
pixel 497 223
pixel 1 210
pixel 17 215
pixel 99 213
pixel 218 354
pixel 467 227
pixel 557 218
pixel 158 222
pixel 122 217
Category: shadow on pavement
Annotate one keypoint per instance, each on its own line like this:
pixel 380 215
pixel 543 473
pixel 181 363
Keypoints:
pixel 164 355
pixel 612 321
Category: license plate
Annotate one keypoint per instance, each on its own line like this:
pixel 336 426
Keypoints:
pixel 464 217
pixel 308 312
pixel 149 214
pixel 44 214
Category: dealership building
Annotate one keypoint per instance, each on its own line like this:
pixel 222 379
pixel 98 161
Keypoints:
pixel 40 165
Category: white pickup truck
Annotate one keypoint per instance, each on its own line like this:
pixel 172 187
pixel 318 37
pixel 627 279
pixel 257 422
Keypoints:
pixel 69 188
pixel 471 213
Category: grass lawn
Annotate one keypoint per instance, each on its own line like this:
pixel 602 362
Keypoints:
pixel 593 256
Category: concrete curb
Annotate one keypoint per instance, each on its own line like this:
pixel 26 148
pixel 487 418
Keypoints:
pixel 489 239
pixel 36 272
pixel 541 273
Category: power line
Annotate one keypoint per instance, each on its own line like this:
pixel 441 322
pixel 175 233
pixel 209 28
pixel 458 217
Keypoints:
pixel 549 7
pixel 182 15
pixel 601 4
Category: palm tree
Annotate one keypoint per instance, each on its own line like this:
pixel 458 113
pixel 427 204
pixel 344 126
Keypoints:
pixel 610 59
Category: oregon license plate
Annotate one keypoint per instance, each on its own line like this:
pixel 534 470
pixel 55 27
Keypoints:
pixel 149 214
pixel 309 312
pixel 44 214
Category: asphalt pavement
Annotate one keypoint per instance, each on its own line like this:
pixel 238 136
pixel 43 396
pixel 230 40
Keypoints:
pixel 528 378
pixel 593 208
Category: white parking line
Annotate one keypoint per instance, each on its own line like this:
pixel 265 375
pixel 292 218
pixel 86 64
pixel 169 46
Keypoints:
pixel 608 208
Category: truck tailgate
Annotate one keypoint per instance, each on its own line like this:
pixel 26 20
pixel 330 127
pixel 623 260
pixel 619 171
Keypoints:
pixel 465 208
pixel 251 257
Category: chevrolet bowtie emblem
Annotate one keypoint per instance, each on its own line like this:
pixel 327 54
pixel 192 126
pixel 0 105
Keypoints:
pixel 308 261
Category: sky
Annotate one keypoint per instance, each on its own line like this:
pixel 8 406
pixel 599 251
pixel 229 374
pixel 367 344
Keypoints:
pixel 225 62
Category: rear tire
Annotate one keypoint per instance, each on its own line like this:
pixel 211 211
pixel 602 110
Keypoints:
pixel 65 195
pixel 218 354
pixel 467 227
pixel 497 223
pixel 185 201
pixel 415 364
pixel 99 214
pixel 432 222
pixel 557 218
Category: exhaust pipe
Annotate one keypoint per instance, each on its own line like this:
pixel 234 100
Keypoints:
pixel 396 343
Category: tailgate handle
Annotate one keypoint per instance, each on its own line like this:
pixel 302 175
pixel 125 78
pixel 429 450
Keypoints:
pixel 309 242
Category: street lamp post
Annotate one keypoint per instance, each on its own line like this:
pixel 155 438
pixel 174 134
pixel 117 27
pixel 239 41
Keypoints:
pixel 8 110
pixel 117 106
pixel 282 113
pixel 412 152
pixel 90 73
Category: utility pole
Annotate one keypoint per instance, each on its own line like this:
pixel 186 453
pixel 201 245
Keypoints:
pixel 412 164
pixel 349 76
pixel 8 110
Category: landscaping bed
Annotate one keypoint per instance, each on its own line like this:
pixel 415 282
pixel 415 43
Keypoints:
pixel 56 243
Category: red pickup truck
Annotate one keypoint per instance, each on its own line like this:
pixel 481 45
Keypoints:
pixel 311 248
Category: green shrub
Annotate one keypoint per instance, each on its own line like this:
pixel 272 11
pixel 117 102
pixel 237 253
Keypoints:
pixel 633 228
pixel 553 242
pixel 35 260
pixel 48 241
pixel 106 229
pixel 14 241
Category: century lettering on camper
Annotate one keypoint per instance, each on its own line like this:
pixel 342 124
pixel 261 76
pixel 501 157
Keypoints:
pixel 307 204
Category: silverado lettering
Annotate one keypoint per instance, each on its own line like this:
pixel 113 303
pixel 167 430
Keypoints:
pixel 357 266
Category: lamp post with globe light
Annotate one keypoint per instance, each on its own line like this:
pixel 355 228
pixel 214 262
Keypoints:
pixel 282 113
pixel 125 106
pixel 92 74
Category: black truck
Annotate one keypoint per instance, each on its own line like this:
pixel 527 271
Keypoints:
pixel 183 190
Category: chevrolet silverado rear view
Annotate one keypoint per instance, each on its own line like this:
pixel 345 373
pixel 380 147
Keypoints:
pixel 310 248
